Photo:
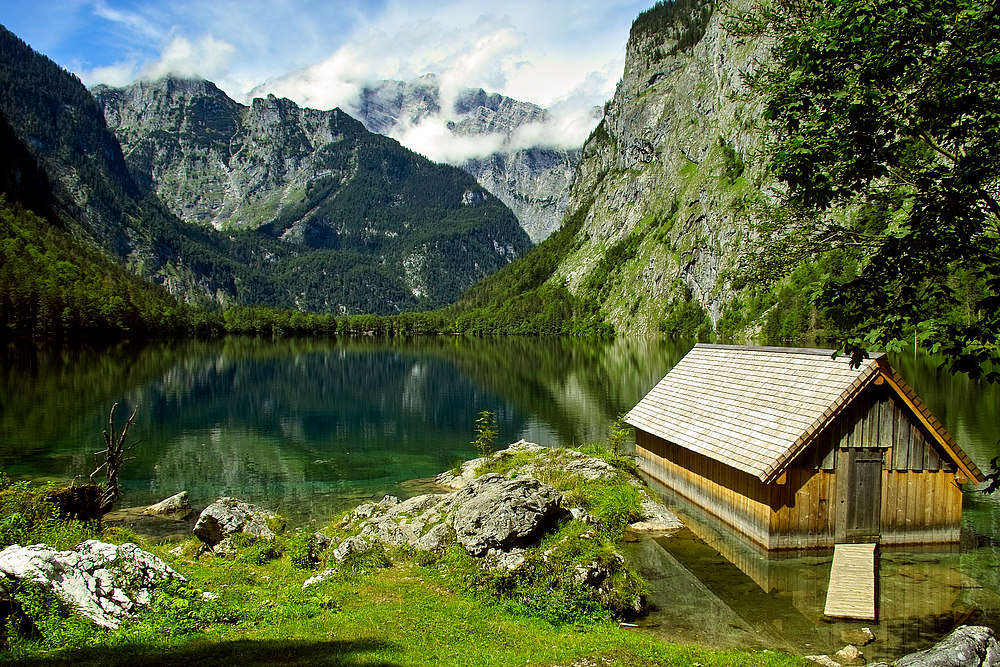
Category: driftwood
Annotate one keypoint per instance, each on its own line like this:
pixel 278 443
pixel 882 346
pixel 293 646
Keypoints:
pixel 114 458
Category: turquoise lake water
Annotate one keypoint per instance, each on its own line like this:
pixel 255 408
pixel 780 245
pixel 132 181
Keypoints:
pixel 312 427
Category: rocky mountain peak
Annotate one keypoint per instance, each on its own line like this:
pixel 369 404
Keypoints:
pixel 533 181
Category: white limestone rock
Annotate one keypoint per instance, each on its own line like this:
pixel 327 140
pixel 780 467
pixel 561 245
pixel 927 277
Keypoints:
pixel 105 583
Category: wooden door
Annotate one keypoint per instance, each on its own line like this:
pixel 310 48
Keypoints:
pixel 864 494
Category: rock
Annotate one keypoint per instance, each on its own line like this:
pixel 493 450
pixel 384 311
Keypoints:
pixel 106 583
pixel 849 655
pixel 494 512
pixel 350 546
pixel 435 539
pixel 656 518
pixel 583 515
pixel 591 468
pixel 466 474
pixel 505 560
pixel 824 660
pixel 319 578
pixel 861 637
pixel 176 506
pixel 967 646
pixel 227 516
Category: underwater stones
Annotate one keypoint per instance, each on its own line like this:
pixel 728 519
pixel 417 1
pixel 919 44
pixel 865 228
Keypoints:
pixel 849 655
pixel 495 512
pixel 227 516
pixel 857 637
pixel 105 583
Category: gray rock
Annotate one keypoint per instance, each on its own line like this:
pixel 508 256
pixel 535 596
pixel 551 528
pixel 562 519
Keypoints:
pixel 583 515
pixel 849 655
pixel 105 583
pixel 967 646
pixel 861 637
pixel 823 660
pixel 436 539
pixel 352 545
pixel 319 578
pixel 227 516
pixel 656 518
pixel 591 468
pixel 494 512
pixel 178 506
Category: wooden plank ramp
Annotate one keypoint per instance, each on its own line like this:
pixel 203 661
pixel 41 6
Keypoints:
pixel 853 590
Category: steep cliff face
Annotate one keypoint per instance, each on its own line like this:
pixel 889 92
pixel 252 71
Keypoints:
pixel 533 181
pixel 662 175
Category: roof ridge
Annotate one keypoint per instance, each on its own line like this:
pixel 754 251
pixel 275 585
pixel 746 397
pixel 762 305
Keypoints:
pixel 818 351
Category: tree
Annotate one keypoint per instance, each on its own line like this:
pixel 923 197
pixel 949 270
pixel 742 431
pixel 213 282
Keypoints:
pixel 882 123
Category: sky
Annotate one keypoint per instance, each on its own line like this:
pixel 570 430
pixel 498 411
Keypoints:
pixel 565 55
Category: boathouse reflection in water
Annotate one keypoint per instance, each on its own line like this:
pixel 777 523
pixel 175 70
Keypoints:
pixel 710 585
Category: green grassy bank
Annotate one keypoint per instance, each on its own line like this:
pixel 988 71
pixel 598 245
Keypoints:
pixel 382 607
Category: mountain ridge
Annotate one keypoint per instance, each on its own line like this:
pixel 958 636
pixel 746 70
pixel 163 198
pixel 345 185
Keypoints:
pixel 456 234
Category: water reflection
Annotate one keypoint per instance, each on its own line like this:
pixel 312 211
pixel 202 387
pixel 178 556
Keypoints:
pixel 308 427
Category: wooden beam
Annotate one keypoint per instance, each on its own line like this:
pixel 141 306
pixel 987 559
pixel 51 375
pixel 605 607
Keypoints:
pixel 931 428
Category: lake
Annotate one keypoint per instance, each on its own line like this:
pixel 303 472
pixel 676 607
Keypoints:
pixel 310 427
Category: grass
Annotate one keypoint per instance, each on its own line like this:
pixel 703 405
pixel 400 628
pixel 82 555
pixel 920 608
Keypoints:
pixel 402 615
pixel 383 607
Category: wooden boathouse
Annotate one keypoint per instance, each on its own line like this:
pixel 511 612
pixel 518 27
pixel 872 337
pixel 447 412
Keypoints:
pixel 795 449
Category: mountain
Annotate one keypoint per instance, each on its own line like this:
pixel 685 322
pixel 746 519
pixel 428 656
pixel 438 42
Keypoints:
pixel 531 179
pixel 653 228
pixel 361 224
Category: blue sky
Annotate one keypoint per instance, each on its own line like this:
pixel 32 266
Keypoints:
pixel 566 55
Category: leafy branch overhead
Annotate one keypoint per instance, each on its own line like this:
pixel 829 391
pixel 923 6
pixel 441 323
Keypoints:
pixel 114 457
pixel 882 122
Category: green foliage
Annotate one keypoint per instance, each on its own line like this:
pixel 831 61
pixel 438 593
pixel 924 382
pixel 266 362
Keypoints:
pixel 618 435
pixel 40 620
pixel 882 120
pixel 254 550
pixel 520 299
pixel 682 22
pixel 686 318
pixel 486 433
pixel 28 516
pixel 301 550
pixel 599 281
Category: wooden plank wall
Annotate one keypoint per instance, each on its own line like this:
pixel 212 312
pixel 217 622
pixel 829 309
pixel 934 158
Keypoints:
pixel 737 498
pixel 921 502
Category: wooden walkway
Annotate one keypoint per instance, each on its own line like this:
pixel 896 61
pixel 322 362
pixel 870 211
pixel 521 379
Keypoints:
pixel 853 591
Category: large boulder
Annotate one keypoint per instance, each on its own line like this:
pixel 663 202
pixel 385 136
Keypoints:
pixel 105 583
pixel 497 513
pixel 227 516
pixel 967 646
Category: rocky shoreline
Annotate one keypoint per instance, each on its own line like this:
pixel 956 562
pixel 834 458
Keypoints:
pixel 503 513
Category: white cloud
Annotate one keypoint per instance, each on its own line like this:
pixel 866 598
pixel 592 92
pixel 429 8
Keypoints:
pixel 208 58
pixel 432 139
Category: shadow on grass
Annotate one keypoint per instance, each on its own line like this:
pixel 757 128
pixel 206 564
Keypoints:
pixel 335 653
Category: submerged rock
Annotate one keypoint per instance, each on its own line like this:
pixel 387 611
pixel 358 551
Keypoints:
pixel 177 506
pixel 105 583
pixel 227 516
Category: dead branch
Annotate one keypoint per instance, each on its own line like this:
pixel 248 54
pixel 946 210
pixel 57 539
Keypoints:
pixel 114 457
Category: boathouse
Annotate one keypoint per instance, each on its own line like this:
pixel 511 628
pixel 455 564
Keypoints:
pixel 794 448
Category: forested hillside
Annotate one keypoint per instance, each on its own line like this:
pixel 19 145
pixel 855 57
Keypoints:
pixel 377 229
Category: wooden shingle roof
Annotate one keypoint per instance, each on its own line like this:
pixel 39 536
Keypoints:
pixel 756 408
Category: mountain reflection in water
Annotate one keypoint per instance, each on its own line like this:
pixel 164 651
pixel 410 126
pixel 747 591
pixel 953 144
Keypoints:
pixel 311 427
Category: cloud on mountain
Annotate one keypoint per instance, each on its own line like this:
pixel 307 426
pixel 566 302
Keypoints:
pixel 566 55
